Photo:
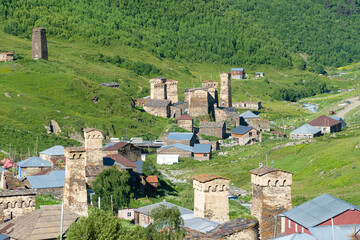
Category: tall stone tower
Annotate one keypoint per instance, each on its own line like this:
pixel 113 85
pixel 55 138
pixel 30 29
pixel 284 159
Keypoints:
pixel 211 197
pixel 158 88
pixel 172 90
pixel 39 44
pixel 271 196
pixel 225 90
pixel 75 194
pixel 93 146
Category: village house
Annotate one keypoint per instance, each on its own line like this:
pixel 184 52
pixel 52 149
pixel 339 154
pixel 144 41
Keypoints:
pixel 183 138
pixel 120 160
pixel 52 183
pixel 128 150
pixel 214 144
pixel 248 115
pixel 305 131
pixel 178 109
pixel 246 135
pixel 16 203
pixel 53 154
pixel 6 57
pixel 228 115
pixel 183 151
pixel 202 152
pixel 326 124
pixel 127 214
pixel 158 107
pixel 343 123
pixel 31 166
pixel 186 122
pixel 248 105
pixel 259 124
pixel 237 73
pixel 216 129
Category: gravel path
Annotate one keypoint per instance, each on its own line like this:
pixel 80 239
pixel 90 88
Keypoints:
pixel 354 103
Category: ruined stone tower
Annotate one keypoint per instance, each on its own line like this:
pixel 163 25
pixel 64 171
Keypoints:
pixel 225 90
pixel 158 88
pixel 39 44
pixel 93 145
pixel 172 90
pixel 271 196
pixel 211 197
pixel 75 194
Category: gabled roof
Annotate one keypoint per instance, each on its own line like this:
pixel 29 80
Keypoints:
pixel 202 225
pixel 298 236
pixel 34 162
pixel 241 129
pixel 318 210
pixel 180 136
pixel 120 159
pixel 43 223
pixel 54 180
pixel 57 150
pixel 147 209
pixel 306 129
pixel 211 124
pixel 157 103
pixel 324 121
pixel 207 177
pixel 248 114
pixel 114 146
pixel 185 117
pixel 179 146
pixel 265 170
pixel 152 179
pixel 343 123
pixel 202 148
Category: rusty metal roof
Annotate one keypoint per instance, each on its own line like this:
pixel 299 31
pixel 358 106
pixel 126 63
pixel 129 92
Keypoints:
pixel 207 177
pixel 121 160
pixel 324 121
pixel 152 179
pixel 265 170
pixel 114 146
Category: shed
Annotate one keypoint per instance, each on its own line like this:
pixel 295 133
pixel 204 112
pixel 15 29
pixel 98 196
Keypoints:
pixel 167 159
pixel 32 166
pixel 202 152
pixel 176 149
pixel 182 138
pixel 305 131
pixel 237 73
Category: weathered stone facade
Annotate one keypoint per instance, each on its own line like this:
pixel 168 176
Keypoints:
pixel 227 115
pixel 30 171
pixel 259 124
pixel 211 197
pixel 39 44
pixel 250 137
pixel 271 196
pixel 216 129
pixel 178 109
pixel 75 193
pixel 6 57
pixel 15 203
pixel 210 84
pixel 175 151
pixel 157 88
pixel 172 90
pixel 225 90
pixel 93 145
pixel 158 107
pixel 198 102
pixel 186 122
pixel 248 105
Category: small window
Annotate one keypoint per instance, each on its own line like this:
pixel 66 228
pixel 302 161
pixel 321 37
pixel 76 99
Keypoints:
pixel 296 228
pixel 289 223
pixel 250 134
pixel 205 154
pixel 129 214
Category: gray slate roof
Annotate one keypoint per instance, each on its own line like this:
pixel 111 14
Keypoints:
pixel 180 136
pixel 306 129
pixel 147 209
pixel 34 162
pixel 157 103
pixel 54 180
pixel 179 146
pixel 318 210
pixel 211 124
pixel 200 224
pixel 202 148
pixel 241 129
pixel 249 114
pixel 57 150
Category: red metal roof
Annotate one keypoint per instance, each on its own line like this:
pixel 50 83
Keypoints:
pixel 152 179
pixel 116 146
pixel 324 121
pixel 185 117
pixel 122 160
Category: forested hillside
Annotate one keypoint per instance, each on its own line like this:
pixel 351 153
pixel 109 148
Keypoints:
pixel 237 32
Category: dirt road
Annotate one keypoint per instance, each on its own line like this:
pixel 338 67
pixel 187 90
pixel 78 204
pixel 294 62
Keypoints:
pixel 354 103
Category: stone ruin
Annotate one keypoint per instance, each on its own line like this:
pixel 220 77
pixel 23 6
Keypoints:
pixel 39 44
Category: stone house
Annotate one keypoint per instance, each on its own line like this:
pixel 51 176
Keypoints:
pixel 202 152
pixel 228 115
pixel 183 151
pixel 248 105
pixel 52 184
pixel 32 165
pixel 304 132
pixel 178 109
pixel 141 101
pixel 248 115
pixel 128 150
pixel 127 214
pixel 6 57
pixel 246 135
pixel 259 124
pixel 199 101
pixel 186 122
pixel 216 129
pixel 158 107
pixel 326 124
pixel 16 203
pixel 183 138
pixel 53 153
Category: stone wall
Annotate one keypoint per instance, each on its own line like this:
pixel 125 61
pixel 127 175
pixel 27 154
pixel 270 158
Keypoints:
pixel 172 90
pixel 246 234
pixel 198 102
pixel 248 105
pixel 230 117
pixel 185 142
pixel 157 88
pixel 6 57
pixel 225 90
pixel 48 157
pixel 39 44
pixel 259 124
pixel 252 136
pixel 131 152
pixel 161 111
pixel 186 124
pixel 15 203
pixel 214 144
pixel 215 131
pixel 55 192
pixel 93 146
pixel 202 156
pixel 30 171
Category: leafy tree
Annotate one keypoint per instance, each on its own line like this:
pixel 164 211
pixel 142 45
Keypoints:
pixel 115 183
pixel 149 168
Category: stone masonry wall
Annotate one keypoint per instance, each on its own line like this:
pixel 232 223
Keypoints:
pixel 158 111
pixel 246 234
pixel 16 203
pixel 225 90
pixel 157 91
pixel 172 90
pixel 198 103
pixel 39 44
pixel 93 146
pixel 186 124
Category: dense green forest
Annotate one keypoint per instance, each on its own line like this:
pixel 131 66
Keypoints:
pixel 237 32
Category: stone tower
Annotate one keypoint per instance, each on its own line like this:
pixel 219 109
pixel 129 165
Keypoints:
pixel 93 146
pixel 39 44
pixel 158 88
pixel 172 90
pixel 271 196
pixel 75 194
pixel 211 197
pixel 225 90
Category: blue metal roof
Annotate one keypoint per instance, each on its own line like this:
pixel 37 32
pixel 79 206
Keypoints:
pixel 340 232
pixel 249 114
pixel 57 150
pixel 34 162
pixel 306 129
pixel 54 180
pixel 180 136
pixel 298 236
pixel 4 237
pixel 202 148
pixel 241 129
pixel 147 209
pixel 343 123
pixel 139 165
pixel 179 146
pixel 237 69
pixel 318 210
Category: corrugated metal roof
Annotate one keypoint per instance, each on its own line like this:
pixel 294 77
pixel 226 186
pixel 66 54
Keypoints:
pixel 121 160
pixel 207 177
pixel 241 129
pixel 147 209
pixel 343 123
pixel 54 180
pixel 318 210
pixel 298 236
pixel 340 231
pixel 202 148
pixel 237 69
pixel 114 146
pixel 248 114
pixel 180 136
pixel 139 165
pixel 57 150
pixel 324 121
pixel 179 146
pixel 34 162
pixel 200 224
pixel 306 129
